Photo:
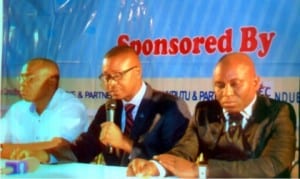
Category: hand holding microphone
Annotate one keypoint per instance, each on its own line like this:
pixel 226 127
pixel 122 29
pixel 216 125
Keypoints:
pixel 110 107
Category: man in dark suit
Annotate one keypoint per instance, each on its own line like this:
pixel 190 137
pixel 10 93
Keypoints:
pixel 258 143
pixel 159 119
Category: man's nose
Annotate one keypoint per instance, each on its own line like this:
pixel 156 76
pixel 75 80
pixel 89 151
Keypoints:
pixel 21 81
pixel 228 90
pixel 110 83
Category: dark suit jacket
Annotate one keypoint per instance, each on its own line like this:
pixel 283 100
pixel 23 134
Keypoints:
pixel 265 148
pixel 160 122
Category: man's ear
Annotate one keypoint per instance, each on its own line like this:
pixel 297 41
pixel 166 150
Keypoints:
pixel 257 82
pixel 139 71
pixel 53 81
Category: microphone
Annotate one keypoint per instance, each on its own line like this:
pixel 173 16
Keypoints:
pixel 110 107
pixel 29 164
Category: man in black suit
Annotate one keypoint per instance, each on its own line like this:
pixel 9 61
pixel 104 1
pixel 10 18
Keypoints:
pixel 258 142
pixel 159 119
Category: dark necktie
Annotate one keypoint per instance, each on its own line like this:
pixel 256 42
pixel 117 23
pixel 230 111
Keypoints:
pixel 129 118
pixel 235 121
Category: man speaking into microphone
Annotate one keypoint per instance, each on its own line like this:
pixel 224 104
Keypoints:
pixel 142 123
pixel 146 121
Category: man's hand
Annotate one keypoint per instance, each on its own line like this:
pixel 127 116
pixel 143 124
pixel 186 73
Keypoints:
pixel 142 167
pixel 59 142
pixel 111 135
pixel 178 166
pixel 20 154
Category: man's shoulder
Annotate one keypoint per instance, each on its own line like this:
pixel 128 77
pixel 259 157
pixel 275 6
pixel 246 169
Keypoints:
pixel 273 107
pixel 20 107
pixel 271 102
pixel 157 95
pixel 63 99
pixel 65 96
pixel 166 99
pixel 21 104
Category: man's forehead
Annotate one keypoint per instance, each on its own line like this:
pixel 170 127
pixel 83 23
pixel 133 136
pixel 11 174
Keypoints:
pixel 34 70
pixel 28 70
pixel 118 62
pixel 231 67
pixel 231 73
pixel 24 69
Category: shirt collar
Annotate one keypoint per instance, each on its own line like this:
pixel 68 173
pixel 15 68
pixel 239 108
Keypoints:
pixel 136 100
pixel 51 103
pixel 56 97
pixel 247 112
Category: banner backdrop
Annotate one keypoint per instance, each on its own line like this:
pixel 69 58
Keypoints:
pixel 179 43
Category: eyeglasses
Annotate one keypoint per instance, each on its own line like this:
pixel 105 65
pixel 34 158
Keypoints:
pixel 116 76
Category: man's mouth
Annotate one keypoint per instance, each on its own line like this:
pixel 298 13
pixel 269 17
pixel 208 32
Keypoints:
pixel 229 104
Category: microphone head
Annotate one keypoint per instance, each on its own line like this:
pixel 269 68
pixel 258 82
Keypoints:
pixel 110 104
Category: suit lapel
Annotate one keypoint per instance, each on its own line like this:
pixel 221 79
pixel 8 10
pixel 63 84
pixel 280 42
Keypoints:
pixel 211 122
pixel 260 111
pixel 118 113
pixel 144 116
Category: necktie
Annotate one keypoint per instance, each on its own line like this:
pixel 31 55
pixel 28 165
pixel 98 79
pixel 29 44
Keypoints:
pixel 129 118
pixel 235 121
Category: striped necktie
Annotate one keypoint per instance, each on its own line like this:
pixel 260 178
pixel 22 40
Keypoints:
pixel 235 122
pixel 129 118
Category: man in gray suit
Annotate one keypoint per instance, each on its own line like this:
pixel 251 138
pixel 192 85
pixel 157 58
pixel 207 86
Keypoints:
pixel 258 142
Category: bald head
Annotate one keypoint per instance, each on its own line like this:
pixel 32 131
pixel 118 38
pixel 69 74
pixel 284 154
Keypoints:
pixel 44 66
pixel 128 56
pixel 237 59
pixel 235 81
pixel 38 81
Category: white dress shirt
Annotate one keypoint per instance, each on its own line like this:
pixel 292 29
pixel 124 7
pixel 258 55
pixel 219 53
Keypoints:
pixel 65 116
pixel 246 113
pixel 136 100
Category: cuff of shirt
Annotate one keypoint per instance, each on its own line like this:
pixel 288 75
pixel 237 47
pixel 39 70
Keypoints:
pixel 161 169
pixel 52 159
pixel 202 171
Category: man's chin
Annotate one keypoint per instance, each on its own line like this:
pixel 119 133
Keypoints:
pixel 26 98
pixel 115 96
pixel 231 109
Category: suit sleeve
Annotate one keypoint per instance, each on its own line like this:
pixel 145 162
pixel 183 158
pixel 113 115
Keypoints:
pixel 87 145
pixel 275 158
pixel 164 133
pixel 188 145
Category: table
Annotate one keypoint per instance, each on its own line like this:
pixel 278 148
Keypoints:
pixel 73 170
